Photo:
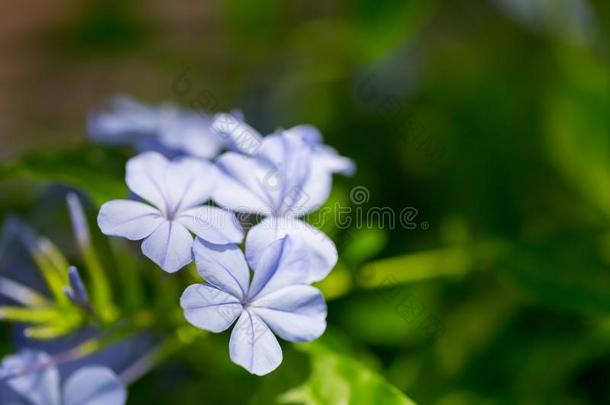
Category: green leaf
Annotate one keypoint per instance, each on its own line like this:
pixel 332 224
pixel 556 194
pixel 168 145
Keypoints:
pixel 363 244
pixel 97 171
pixel 395 315
pixel 379 27
pixel 560 272
pixel 578 126
pixel 439 263
pixel 337 379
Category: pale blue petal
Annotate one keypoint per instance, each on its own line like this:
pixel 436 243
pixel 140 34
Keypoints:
pixel 171 185
pixel 223 266
pixel 311 194
pixel 324 156
pixel 213 224
pixel 209 308
pixel 124 123
pixel 282 179
pixel 189 132
pixel 308 133
pixel 187 183
pixel 146 177
pixel 253 346
pixel 335 163
pixel 282 263
pixel 41 386
pixel 237 135
pixel 169 246
pixel 289 163
pixel 296 313
pixel 94 386
pixel 128 219
pixel 320 249
pixel 245 184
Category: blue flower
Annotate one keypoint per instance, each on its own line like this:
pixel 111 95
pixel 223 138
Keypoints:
pixel 165 128
pixel 238 136
pixel 33 376
pixel 242 138
pixel 277 300
pixel 176 189
pixel 323 154
pixel 282 181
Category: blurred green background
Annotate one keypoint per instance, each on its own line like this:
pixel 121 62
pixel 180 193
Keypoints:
pixel 488 121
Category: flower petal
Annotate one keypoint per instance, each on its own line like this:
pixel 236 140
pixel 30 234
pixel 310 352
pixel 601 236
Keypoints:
pixel 145 177
pixel 169 246
pixel 213 224
pixel 311 194
pixel 296 313
pixel 126 121
pixel 320 249
pixel 283 262
pixel 329 158
pixel 40 387
pixel 243 184
pixel 253 346
pixel 323 154
pixel 189 132
pixel 308 133
pixel 94 385
pixel 282 179
pixel 129 219
pixel 238 136
pixel 289 160
pixel 188 183
pixel 223 266
pixel 209 308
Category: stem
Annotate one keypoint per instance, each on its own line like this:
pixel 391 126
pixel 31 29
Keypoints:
pixel 182 337
pixel 150 360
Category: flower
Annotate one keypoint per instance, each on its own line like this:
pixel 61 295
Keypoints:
pixel 237 134
pixel 242 138
pixel 165 128
pixel 277 300
pixel 176 190
pixel 33 376
pixel 76 292
pixel 323 154
pixel 281 181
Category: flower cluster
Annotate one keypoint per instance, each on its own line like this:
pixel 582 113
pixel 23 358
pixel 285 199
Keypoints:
pixel 266 290
pixel 35 377
pixel 165 127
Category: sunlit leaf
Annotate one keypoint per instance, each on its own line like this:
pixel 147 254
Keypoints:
pixel 578 126
pixel 337 379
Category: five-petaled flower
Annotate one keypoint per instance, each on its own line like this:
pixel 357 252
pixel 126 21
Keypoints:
pixel 284 180
pixel 33 376
pixel 277 300
pixel 176 189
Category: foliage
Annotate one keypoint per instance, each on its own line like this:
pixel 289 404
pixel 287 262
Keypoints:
pixel 492 125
